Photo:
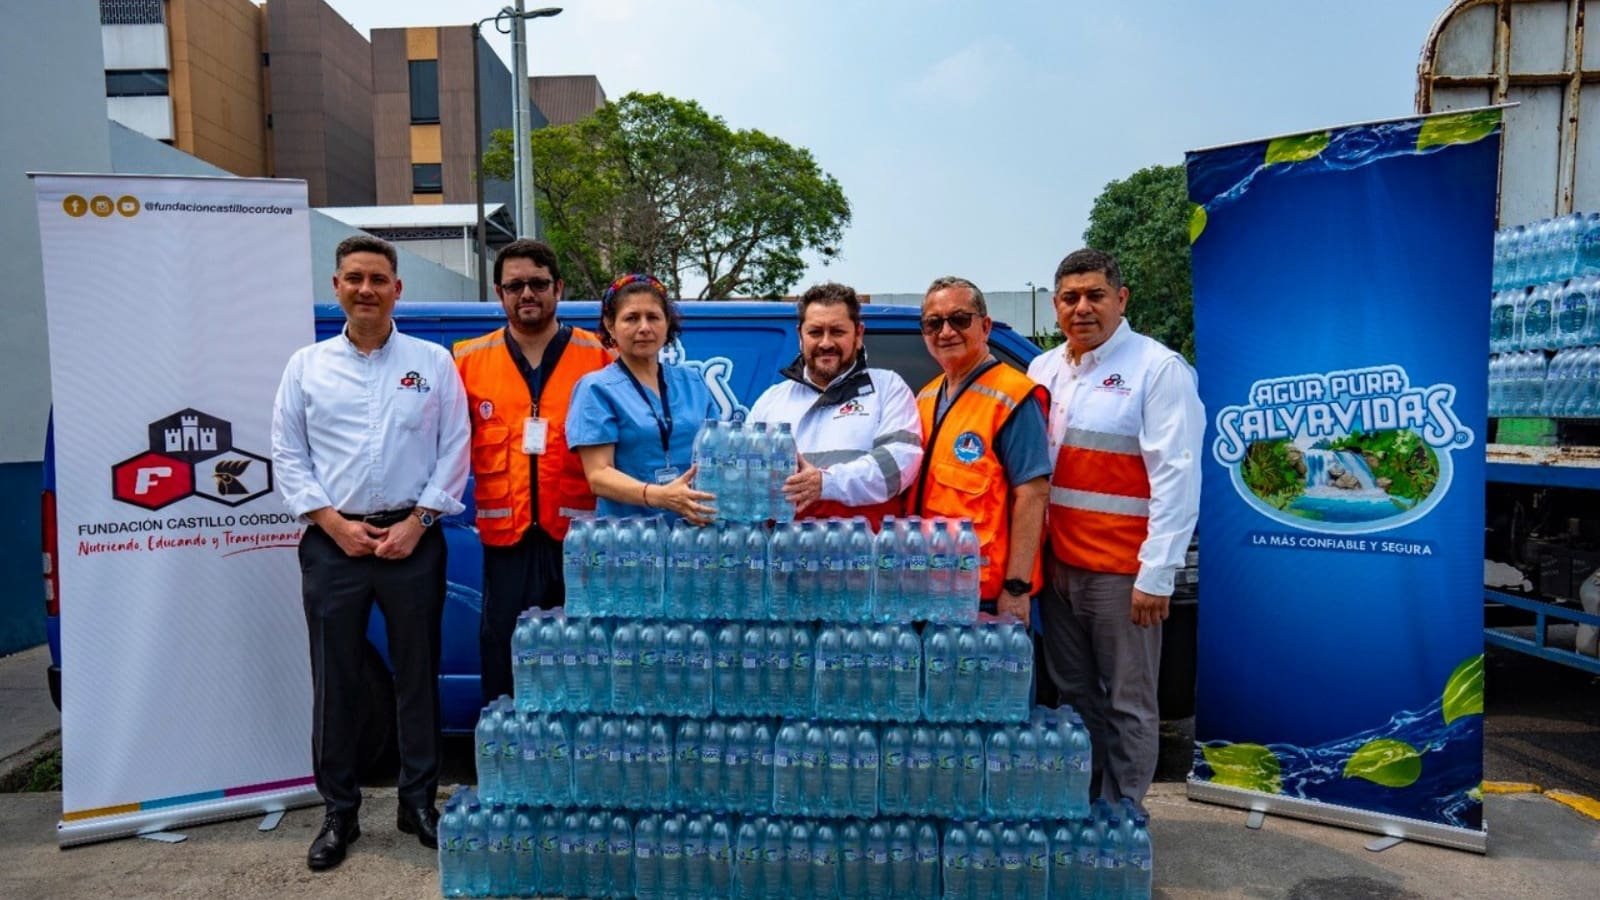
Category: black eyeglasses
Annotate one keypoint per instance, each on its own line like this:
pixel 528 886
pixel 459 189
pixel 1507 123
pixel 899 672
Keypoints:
pixel 539 285
pixel 960 321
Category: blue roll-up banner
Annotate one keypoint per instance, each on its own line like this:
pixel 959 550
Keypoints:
pixel 1340 287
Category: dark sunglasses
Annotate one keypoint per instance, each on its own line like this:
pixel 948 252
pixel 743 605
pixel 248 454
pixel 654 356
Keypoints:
pixel 539 285
pixel 960 321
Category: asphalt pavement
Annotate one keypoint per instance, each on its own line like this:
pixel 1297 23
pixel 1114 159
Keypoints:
pixel 1543 729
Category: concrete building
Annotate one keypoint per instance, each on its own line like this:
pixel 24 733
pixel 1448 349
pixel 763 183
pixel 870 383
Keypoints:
pixel 320 102
pixel 444 233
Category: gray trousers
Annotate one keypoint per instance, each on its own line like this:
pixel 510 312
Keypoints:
pixel 1107 668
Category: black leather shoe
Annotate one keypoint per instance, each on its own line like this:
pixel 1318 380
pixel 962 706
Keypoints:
pixel 422 821
pixel 339 831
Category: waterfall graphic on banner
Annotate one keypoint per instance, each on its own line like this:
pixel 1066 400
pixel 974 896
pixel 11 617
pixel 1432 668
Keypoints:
pixel 1351 451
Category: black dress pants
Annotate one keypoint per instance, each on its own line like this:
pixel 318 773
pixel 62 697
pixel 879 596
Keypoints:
pixel 521 576
pixel 338 592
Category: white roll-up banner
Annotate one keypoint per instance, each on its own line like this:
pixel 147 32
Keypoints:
pixel 173 304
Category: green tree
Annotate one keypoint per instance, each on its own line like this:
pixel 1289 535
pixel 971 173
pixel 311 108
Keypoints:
pixel 654 184
pixel 1143 221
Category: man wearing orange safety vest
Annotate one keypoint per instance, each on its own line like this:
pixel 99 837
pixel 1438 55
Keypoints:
pixel 984 455
pixel 1126 428
pixel 527 482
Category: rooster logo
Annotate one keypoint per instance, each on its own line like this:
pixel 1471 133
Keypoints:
pixel 227 475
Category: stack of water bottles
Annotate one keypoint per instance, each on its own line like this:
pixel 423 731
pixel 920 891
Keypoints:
pixel 745 465
pixel 672 750
pixel 1546 298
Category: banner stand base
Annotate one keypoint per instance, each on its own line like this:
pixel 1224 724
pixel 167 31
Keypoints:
pixel 167 819
pixel 1341 816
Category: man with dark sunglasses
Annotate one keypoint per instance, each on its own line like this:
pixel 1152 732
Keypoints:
pixel 527 483
pixel 984 452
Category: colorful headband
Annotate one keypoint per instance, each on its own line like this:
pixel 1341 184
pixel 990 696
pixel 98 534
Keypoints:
pixel 635 278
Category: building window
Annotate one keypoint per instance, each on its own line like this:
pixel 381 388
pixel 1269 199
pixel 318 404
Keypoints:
pixel 130 12
pixel 424 91
pixel 136 83
pixel 427 178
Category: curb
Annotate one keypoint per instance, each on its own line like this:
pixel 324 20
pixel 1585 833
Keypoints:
pixel 12 765
pixel 1578 803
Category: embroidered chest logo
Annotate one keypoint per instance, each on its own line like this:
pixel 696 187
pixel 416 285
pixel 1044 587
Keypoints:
pixel 1115 384
pixel 968 447
pixel 485 409
pixel 850 408
pixel 413 381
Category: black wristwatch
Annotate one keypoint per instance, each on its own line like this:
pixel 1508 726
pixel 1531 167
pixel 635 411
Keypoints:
pixel 1017 587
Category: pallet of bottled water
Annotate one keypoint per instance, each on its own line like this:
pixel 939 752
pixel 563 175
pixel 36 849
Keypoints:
pixel 834 570
pixel 1546 298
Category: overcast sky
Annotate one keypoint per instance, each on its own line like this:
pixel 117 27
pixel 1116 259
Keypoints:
pixel 972 137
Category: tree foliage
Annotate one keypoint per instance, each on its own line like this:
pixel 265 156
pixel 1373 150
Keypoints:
pixel 654 184
pixel 1143 221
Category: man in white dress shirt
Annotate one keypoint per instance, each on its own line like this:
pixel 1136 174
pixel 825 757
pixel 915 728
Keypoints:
pixel 369 444
pixel 1125 431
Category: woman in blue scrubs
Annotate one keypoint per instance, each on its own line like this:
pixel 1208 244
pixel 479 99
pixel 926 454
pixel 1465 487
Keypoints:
pixel 633 423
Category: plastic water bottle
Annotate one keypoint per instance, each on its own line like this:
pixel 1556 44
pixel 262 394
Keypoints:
pixel 946 769
pixel 706 453
pixel 964 684
pixel 696 830
pixel 733 503
pixel 894 756
pixel 969 574
pixel 990 695
pixel 703 601
pixel 452 848
pixel 784 460
pixel 647 859
pixel 1054 786
pixel 877 689
pixel 914 586
pixel 658 763
pixel 925 860
pixel 887 603
pixel 648 671
pixel 786 798
pixel 601 582
pixel 624 668
pixel 725 666
pixel 957 865
pixel 523 683
pixel 730 571
pixel 674 670
pixel 697 694
pixel 864 761
pixel 942 563
pixel 652 566
pixel 549 853
pixel 835 798
pixel 628 585
pixel 824 862
pixel 919 770
pixel 573 684
pixel 747 861
pixel 985 862
pixel 1000 764
pixel 1013 863
pixel 559 743
pixel 901 699
pixel 619 857
pixel 1081 766
pixel 853 860
pixel 762 767
pixel 686 768
pixel 574 564
pixel 547 658
pixel 797 858
pixel 1024 800
pixel 524 852
pixel 1539 320
pixel 801 674
pixel 902 860
pixel 1036 864
pixel 1113 859
pixel 475 850
pixel 782 552
pixel 813 769
pixel 486 740
pixel 736 755
pixel 758 471
pixel 513 781
pixel 939 660
pixel 968 800
pixel 680 576
pixel 672 881
pixel 752 574
pixel 713 743
pixel 853 672
pixel 498 843
pixel 1018 672
pixel 835 562
pixel 809 599
pixel 856 602
pixel 597 666
pixel 830 650
pixel 775 666
pixel 586 760
pixel 774 860
pixel 719 859
pixel 752 653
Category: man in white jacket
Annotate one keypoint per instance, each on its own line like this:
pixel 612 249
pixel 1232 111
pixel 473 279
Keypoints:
pixel 857 429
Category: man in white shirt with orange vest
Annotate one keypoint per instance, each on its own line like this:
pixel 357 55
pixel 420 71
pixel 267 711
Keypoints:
pixel 1126 432
pixel 857 429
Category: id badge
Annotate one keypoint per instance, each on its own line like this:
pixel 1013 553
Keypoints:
pixel 667 474
pixel 534 432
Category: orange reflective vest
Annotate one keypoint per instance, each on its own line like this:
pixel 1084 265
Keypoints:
pixel 962 476
pixel 498 404
pixel 1100 491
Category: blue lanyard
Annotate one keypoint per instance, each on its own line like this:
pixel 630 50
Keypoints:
pixel 663 425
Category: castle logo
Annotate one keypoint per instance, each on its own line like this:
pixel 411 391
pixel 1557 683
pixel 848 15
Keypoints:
pixel 191 453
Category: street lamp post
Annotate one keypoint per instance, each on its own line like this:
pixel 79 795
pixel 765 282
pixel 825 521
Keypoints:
pixel 514 16
pixel 527 214
pixel 1033 307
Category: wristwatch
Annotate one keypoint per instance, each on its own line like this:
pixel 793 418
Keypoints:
pixel 1017 587
pixel 424 516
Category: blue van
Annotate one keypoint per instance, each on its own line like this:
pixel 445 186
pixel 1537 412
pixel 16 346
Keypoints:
pixel 738 347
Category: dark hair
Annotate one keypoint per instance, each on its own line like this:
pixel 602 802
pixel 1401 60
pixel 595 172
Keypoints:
pixel 627 286
pixel 830 292
pixel 536 252
pixel 366 243
pixel 949 281
pixel 1080 262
